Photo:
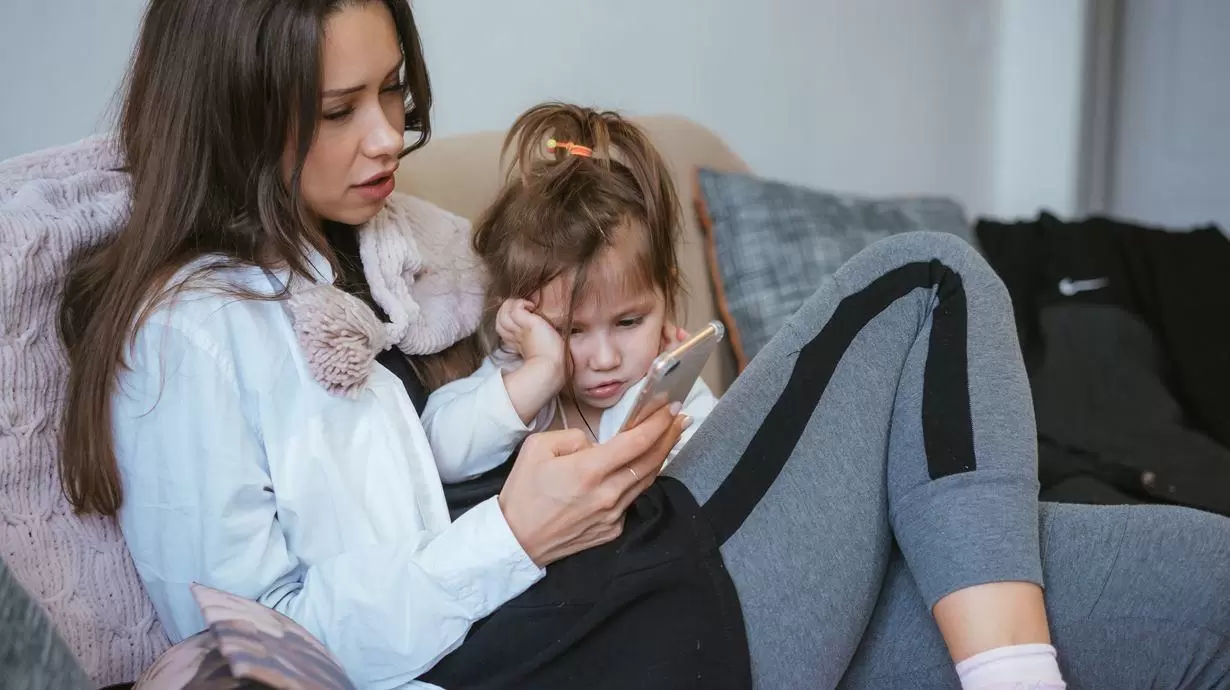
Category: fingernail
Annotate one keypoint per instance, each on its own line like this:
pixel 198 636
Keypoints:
pixel 676 407
pixel 687 422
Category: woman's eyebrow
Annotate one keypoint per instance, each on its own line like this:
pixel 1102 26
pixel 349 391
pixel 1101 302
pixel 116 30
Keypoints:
pixel 334 93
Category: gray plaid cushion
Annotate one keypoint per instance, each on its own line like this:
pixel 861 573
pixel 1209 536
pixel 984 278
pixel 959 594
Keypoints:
pixel 775 243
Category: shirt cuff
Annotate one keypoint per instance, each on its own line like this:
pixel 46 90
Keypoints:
pixel 492 567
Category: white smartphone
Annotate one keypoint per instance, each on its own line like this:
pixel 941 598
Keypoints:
pixel 674 372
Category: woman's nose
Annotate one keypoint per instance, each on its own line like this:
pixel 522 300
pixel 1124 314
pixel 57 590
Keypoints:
pixel 382 140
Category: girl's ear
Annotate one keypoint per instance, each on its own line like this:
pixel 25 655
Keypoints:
pixel 672 335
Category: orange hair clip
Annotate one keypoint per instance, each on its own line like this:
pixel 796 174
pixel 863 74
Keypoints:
pixel 571 148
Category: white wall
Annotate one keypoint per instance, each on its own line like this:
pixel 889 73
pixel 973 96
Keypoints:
pixel 1039 87
pixel 1172 148
pixel 874 96
pixel 62 63
pixel 880 96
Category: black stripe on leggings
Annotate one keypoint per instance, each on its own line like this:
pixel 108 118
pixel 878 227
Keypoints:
pixel 947 426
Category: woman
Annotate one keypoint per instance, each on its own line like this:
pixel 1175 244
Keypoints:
pixel 224 425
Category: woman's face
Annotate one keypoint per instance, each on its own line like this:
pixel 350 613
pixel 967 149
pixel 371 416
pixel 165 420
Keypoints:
pixel 349 169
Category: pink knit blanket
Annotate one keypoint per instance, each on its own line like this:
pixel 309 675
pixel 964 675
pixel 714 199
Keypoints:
pixel 53 203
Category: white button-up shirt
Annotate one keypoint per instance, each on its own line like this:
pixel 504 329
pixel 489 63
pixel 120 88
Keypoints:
pixel 242 473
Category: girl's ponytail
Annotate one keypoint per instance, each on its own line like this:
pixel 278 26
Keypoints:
pixel 563 154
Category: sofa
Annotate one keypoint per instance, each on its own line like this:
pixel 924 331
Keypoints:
pixel 77 569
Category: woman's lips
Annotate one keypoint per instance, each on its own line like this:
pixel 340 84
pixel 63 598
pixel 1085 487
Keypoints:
pixel 377 189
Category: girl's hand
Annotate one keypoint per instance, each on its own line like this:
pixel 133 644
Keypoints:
pixel 528 334
pixel 565 494
pixel 542 372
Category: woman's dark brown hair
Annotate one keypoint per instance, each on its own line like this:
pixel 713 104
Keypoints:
pixel 559 211
pixel 217 92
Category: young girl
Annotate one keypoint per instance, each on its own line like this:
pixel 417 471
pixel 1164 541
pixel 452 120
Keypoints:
pixel 579 248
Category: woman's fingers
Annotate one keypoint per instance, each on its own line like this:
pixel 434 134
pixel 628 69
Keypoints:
pixel 557 443
pixel 645 468
pixel 635 477
pixel 628 445
pixel 630 461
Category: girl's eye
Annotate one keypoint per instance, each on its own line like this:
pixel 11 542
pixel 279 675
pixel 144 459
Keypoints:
pixel 399 87
pixel 631 322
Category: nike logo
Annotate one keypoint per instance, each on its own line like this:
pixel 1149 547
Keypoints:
pixel 1069 287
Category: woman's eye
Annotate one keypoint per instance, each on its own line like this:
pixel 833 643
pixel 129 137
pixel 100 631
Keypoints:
pixel 338 114
pixel 631 322
pixel 399 87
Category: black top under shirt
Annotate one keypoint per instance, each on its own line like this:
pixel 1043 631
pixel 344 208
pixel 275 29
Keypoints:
pixel 653 609
pixel 345 243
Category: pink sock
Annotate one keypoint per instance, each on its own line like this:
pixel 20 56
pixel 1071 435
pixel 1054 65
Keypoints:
pixel 1019 667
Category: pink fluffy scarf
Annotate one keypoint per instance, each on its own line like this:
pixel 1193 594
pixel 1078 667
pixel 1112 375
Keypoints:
pixel 422 272
pixel 416 257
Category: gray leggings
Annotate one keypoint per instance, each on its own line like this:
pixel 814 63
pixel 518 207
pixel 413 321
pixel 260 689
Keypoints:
pixel 888 433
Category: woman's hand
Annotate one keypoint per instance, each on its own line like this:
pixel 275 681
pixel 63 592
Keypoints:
pixel 566 495
pixel 542 372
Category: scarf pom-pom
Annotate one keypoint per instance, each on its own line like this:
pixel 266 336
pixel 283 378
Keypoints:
pixel 340 337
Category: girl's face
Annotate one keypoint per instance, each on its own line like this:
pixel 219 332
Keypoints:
pixel 616 330
pixel 348 172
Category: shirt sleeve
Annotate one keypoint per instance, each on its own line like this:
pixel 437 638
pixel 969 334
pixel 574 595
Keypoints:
pixel 200 506
pixel 472 425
